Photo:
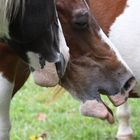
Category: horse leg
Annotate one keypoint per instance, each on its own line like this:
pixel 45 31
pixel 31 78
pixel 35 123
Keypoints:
pixel 124 130
pixel 13 74
pixel 8 63
pixel 6 89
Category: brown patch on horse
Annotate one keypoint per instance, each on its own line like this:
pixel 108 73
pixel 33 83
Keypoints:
pixel 84 42
pixel 21 75
pixel 106 11
pixel 12 67
pixel 8 62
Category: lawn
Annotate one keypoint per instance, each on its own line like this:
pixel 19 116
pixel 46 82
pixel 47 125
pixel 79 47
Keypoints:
pixel 36 110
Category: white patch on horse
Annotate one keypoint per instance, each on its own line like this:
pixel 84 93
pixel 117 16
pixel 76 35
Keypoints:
pixel 125 35
pixel 111 45
pixel 123 114
pixel 34 60
pixel 6 89
pixel 62 43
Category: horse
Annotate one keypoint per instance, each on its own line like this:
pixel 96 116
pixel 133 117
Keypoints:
pixel 32 29
pixel 95 66
pixel 120 21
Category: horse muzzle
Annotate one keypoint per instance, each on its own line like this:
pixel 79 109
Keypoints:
pixel 97 108
pixel 50 73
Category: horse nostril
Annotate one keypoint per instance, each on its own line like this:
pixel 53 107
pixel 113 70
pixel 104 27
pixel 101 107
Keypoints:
pixel 130 84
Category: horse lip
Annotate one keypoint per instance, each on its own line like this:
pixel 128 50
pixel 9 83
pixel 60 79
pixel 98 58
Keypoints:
pixel 119 98
pixel 98 109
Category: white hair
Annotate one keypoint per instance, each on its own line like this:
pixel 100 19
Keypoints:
pixel 8 8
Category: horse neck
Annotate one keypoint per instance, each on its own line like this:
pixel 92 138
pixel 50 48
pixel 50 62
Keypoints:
pixel 106 11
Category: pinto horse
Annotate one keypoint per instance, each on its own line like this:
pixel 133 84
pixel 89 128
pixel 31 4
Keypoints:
pixel 95 66
pixel 32 29
pixel 120 21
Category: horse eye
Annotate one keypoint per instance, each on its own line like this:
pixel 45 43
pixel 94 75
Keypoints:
pixel 81 21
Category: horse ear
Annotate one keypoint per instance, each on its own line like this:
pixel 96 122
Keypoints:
pixel 61 10
pixel 60 5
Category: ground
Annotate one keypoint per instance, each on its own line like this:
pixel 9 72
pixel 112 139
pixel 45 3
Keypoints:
pixel 35 111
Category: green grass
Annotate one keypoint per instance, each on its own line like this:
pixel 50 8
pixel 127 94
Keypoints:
pixel 64 121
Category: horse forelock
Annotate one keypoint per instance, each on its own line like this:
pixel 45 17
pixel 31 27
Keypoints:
pixel 8 10
pixel 12 7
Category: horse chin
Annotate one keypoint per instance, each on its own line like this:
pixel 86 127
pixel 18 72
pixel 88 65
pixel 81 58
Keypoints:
pixel 92 105
pixel 94 108
pixel 46 77
pixel 97 108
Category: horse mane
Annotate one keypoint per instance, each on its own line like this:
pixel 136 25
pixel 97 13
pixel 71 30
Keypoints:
pixel 10 7
pixel 8 10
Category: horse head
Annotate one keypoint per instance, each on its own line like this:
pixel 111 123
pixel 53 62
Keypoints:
pixel 35 34
pixel 95 65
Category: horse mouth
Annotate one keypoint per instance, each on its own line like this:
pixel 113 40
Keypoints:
pixel 97 108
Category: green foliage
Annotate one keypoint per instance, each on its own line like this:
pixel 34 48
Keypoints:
pixel 63 120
